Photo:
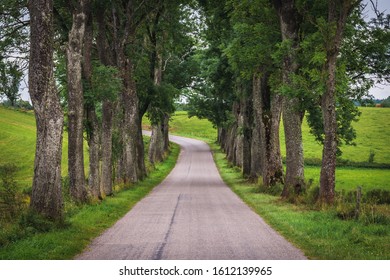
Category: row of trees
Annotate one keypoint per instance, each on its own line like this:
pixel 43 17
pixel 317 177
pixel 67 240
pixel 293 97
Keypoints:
pixel 96 68
pixel 269 60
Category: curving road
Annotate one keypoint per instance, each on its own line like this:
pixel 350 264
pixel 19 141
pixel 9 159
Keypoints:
pixel 192 214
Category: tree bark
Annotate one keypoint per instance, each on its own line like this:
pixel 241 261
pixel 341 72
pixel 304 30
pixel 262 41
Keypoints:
pixel 267 108
pixel 157 145
pixel 292 115
pixel 106 147
pixel 93 130
pixel 133 148
pixel 337 16
pixel 46 197
pixel 256 143
pixel 247 136
pixel 106 59
pixel 74 56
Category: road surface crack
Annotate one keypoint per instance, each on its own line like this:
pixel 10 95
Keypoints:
pixel 160 249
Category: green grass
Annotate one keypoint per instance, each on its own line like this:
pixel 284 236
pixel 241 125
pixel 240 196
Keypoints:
pixel 373 134
pixel 193 127
pixel 320 234
pixel 17 144
pixel 88 222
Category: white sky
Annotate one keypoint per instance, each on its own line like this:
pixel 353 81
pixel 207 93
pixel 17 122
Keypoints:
pixel 379 91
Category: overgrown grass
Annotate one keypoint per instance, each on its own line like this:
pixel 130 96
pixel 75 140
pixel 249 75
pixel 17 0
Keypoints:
pixel 82 224
pixel 320 234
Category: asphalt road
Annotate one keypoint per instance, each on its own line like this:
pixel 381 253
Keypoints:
pixel 192 214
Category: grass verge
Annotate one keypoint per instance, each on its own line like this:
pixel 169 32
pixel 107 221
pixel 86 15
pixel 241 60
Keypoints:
pixel 87 222
pixel 320 234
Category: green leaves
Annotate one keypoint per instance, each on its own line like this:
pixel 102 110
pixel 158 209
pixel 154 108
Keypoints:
pixel 106 84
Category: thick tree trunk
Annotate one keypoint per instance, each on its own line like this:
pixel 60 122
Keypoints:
pixel 292 115
pixel 74 56
pixel 133 148
pixel 292 121
pixel 221 139
pixel 92 120
pixel 46 197
pixel 94 156
pixel 157 145
pixel 105 56
pixel 337 15
pixel 243 137
pixel 267 108
pixel 273 168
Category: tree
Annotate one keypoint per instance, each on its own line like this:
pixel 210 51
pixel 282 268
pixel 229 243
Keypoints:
pixel 10 77
pixel 338 13
pixel 290 21
pixel 74 55
pixel 92 122
pixel 255 37
pixel 46 197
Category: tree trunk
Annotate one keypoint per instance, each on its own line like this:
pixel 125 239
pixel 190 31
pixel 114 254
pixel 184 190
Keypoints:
pixel 46 197
pixel 292 115
pixel 292 121
pixel 106 146
pixel 94 157
pixel 165 129
pixel 268 109
pixel 247 136
pixel 133 148
pixel 337 16
pixel 74 56
pixel 92 120
pixel 256 144
pixel 157 145
pixel 273 168
pixel 105 57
